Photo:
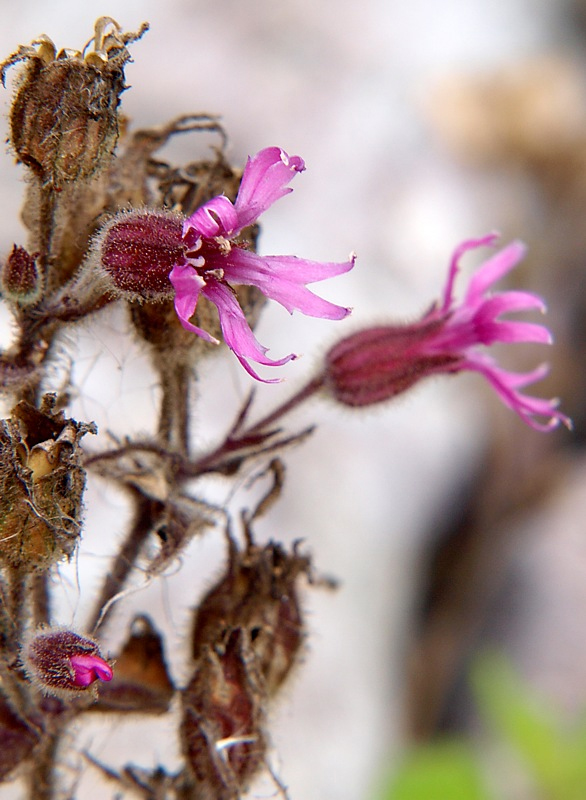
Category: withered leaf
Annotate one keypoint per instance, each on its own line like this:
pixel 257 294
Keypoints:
pixel 141 680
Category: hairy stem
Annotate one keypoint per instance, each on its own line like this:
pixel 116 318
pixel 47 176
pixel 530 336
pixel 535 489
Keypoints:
pixel 41 599
pixel 175 381
pixel 42 779
pixel 18 583
pixel 298 398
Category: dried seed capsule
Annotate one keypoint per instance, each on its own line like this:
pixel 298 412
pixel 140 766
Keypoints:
pixel 62 662
pixel 223 715
pixel 41 486
pixel 64 117
pixel 258 593
pixel 21 277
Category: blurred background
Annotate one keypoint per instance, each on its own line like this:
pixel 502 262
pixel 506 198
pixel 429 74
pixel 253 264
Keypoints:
pixel 452 528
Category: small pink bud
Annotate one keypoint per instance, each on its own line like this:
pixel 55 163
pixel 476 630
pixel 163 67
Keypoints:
pixel 63 662
pixel 138 250
pixel 88 669
pixel 21 278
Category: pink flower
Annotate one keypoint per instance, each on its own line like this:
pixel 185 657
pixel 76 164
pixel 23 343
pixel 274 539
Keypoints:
pixel 378 363
pixel 143 250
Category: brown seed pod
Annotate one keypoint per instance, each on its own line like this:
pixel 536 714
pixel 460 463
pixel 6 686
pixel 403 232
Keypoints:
pixel 64 116
pixel 223 717
pixel 41 485
pixel 258 592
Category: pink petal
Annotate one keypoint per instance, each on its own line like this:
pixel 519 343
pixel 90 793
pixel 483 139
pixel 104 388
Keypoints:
pixel 495 268
pixel 506 384
pixel 237 333
pixel 217 217
pixel 510 331
pixel 511 301
pixel 469 244
pixel 89 668
pixel 264 181
pixel 282 278
pixel 188 286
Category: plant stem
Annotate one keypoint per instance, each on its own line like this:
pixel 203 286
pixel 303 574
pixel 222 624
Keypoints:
pixel 298 398
pixel 42 777
pixel 41 599
pixel 175 379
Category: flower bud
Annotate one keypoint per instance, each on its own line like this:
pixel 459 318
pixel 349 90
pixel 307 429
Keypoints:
pixel 62 662
pixel 21 278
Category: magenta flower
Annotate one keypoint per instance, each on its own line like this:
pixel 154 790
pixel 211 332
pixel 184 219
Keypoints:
pixel 378 363
pixel 148 253
pixel 63 662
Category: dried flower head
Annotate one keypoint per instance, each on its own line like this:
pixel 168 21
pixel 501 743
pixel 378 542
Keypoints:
pixel 64 118
pixel 222 728
pixel 154 254
pixel 41 485
pixel 62 662
pixel 378 363
pixel 259 593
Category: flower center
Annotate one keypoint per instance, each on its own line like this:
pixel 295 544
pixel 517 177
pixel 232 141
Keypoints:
pixel 206 256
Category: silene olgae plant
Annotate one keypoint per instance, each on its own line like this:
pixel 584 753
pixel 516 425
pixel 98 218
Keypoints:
pixel 106 222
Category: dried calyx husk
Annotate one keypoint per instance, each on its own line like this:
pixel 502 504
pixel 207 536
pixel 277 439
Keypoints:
pixel 247 635
pixel 258 592
pixel 64 126
pixel 41 485
pixel 224 712
pixel 64 117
